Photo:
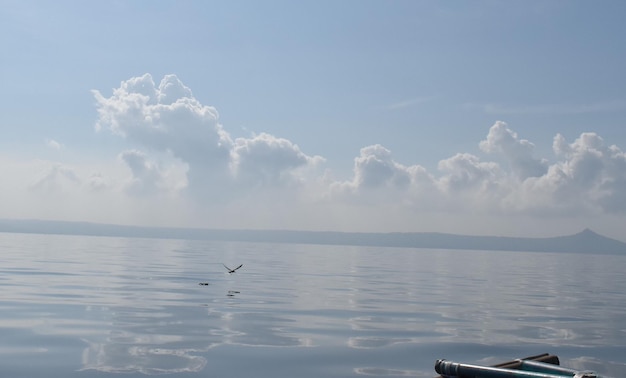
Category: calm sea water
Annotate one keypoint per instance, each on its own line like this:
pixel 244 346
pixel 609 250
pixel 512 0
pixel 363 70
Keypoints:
pixel 76 306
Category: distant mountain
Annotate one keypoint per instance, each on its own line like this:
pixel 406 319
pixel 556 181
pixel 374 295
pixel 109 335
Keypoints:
pixel 585 241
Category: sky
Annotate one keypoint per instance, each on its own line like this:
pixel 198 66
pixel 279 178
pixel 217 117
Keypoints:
pixel 477 117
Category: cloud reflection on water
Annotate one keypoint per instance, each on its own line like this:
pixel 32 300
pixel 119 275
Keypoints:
pixel 138 344
pixel 379 372
pixel 134 306
pixel 113 357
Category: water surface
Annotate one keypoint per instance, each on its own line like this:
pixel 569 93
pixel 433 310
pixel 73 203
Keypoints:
pixel 78 306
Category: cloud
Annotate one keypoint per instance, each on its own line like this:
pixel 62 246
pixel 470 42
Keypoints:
pixel 54 144
pixel 266 159
pixel 461 182
pixel 518 152
pixel 97 182
pixel 593 171
pixel 410 102
pixel 586 177
pixel 597 107
pixel 583 160
pixel 147 177
pixel 167 119
pixel 180 166
pixel 58 178
pixel 465 172
pixel 380 181
pixel 375 168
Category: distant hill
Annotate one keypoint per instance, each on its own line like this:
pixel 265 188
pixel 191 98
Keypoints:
pixel 585 241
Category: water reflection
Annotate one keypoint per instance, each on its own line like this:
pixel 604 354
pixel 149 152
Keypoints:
pixel 175 339
pixel 604 367
pixel 378 342
pixel 137 344
pixel 379 372
pixel 115 357
pixel 139 307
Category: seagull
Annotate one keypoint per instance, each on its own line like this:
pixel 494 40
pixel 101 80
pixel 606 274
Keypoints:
pixel 232 270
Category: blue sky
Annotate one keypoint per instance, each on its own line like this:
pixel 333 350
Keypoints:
pixel 480 117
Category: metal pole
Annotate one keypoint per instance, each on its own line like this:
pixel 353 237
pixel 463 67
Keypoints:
pixel 548 368
pixel 454 369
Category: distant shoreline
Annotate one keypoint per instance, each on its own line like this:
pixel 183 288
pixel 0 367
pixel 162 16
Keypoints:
pixel 585 241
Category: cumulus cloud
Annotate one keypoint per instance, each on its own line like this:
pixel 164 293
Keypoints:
pixel 168 119
pixel 379 180
pixel 181 144
pixel 518 152
pixel 265 158
pixel 465 171
pixel 147 177
pixel 375 168
pixel 592 171
pixel 587 177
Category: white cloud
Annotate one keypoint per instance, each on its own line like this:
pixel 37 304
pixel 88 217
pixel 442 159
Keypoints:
pixel 147 177
pixel 596 107
pixel 584 160
pixel 58 178
pixel 593 171
pixel 587 178
pixel 54 144
pixel 375 168
pixel 168 119
pixel 385 185
pixel 171 89
pixel 410 102
pixel 518 152
pixel 465 172
pixel 97 182
pixel 267 160
pixel 183 168
pixel 83 191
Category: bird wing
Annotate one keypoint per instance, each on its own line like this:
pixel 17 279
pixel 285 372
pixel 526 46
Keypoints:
pixel 227 267
pixel 238 267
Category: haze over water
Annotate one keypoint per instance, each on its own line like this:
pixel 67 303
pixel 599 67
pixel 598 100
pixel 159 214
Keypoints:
pixel 78 306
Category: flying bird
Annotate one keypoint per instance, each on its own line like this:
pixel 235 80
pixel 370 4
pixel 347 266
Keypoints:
pixel 232 270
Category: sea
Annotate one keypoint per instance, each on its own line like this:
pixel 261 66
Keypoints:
pixel 85 306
